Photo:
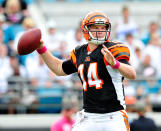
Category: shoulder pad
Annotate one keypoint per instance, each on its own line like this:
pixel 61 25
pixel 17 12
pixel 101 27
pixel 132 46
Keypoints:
pixel 73 55
pixel 77 48
pixel 109 44
pixel 120 51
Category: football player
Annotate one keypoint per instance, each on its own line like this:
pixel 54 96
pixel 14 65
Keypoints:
pixel 101 66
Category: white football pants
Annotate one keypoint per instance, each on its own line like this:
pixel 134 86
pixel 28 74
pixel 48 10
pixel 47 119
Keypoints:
pixel 115 121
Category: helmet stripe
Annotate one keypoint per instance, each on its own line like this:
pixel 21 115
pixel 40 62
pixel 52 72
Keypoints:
pixel 96 16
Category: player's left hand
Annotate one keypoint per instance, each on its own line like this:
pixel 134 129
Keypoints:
pixel 108 56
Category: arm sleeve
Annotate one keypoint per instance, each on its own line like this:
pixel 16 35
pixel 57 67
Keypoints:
pixel 68 67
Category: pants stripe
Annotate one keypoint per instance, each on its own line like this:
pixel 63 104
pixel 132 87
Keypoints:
pixel 125 120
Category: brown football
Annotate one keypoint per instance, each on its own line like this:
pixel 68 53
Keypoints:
pixel 29 41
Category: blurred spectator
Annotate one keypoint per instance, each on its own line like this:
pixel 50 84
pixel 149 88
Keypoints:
pixel 154 51
pixel 23 4
pixel 11 97
pixel 53 38
pixel 5 70
pixel 15 10
pixel 77 87
pixel 1 36
pixel 74 38
pixel 58 46
pixel 17 69
pixel 28 98
pixel 28 24
pixel 132 44
pixel 152 89
pixel 3 24
pixel 145 69
pixel 66 122
pixel 142 123
pixel 3 30
pixel 159 21
pixel 61 52
pixel 153 29
pixel 125 25
pixel 14 17
pixel 18 73
pixel 10 33
pixel 141 95
pixel 139 54
pixel 156 101
pixel 63 80
pixel 71 96
pixel 38 72
pixel 130 94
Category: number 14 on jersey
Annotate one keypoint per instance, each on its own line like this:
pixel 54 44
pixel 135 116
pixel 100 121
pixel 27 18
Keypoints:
pixel 92 76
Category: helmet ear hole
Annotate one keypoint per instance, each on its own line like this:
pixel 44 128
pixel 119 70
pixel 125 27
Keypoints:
pixel 88 26
pixel 107 26
pixel 85 30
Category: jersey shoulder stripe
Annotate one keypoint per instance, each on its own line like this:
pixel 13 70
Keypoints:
pixel 73 57
pixel 74 53
pixel 119 50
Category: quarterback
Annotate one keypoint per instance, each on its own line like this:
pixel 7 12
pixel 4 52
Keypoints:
pixel 101 66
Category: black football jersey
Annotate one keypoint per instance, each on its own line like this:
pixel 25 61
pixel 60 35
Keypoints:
pixel 102 85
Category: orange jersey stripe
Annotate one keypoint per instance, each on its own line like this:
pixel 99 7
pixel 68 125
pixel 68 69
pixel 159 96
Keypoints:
pixel 117 45
pixel 120 51
pixel 73 58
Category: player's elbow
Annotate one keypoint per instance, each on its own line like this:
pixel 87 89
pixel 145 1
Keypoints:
pixel 128 72
pixel 132 75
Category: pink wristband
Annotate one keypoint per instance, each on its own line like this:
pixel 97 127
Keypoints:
pixel 42 50
pixel 117 65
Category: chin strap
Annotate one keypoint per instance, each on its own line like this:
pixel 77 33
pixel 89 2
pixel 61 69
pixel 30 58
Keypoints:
pixel 96 40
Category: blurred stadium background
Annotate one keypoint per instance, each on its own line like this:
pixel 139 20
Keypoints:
pixel 31 97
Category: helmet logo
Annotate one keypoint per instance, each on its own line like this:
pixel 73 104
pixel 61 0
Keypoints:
pixel 100 21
